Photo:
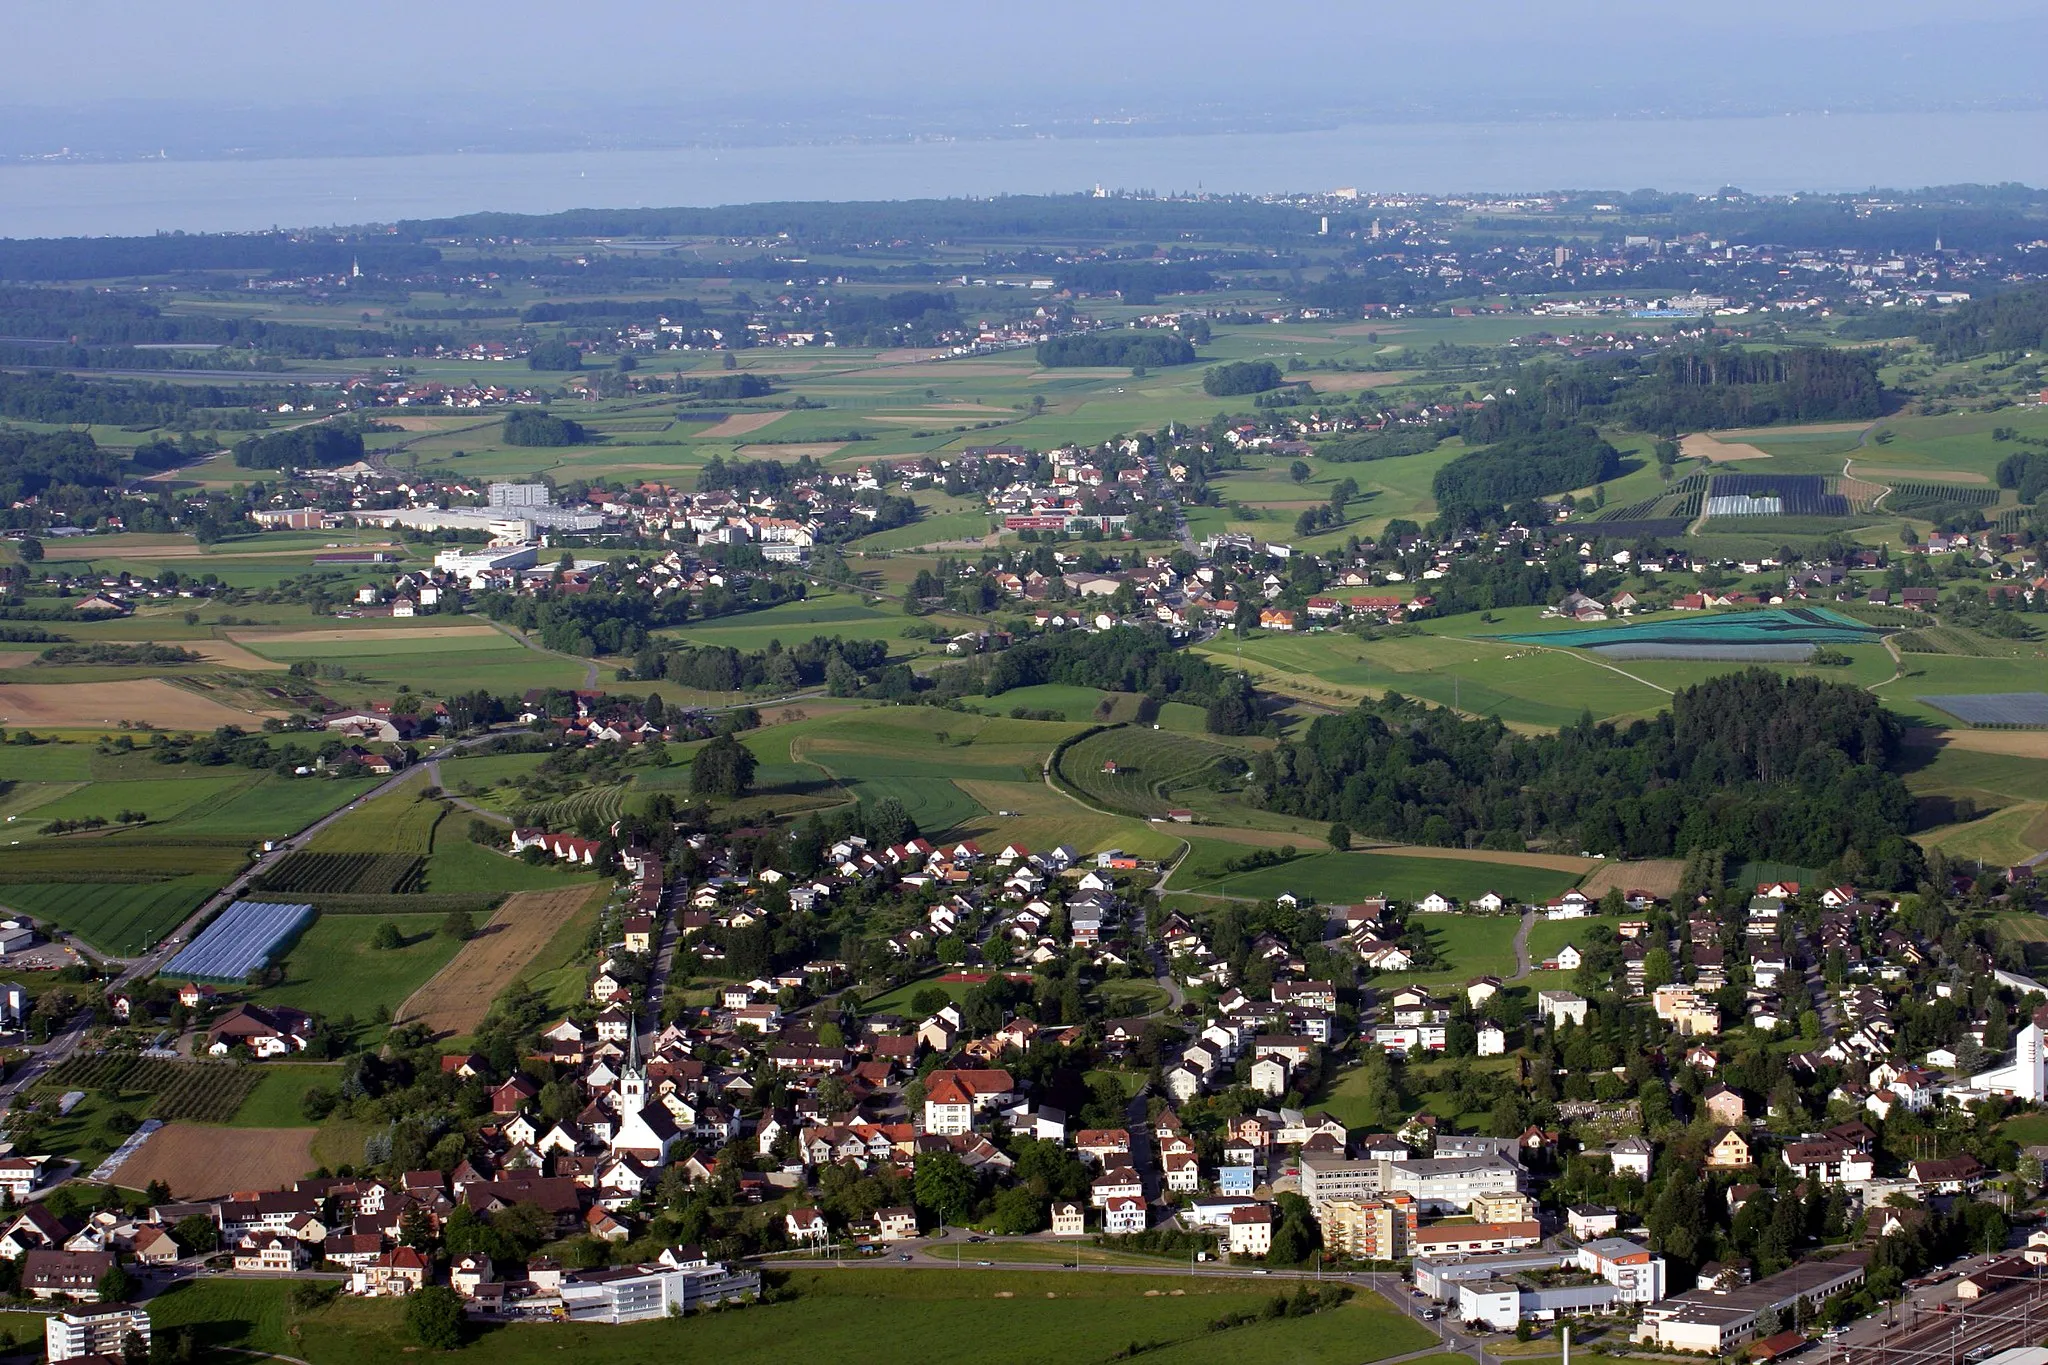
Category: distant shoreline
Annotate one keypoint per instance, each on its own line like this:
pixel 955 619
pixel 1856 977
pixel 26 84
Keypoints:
pixel 1775 155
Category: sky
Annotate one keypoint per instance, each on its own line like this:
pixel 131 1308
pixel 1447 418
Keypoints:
pixel 96 69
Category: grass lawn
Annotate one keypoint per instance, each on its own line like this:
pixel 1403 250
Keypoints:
pixel 274 1103
pixel 1470 945
pixel 898 1001
pixel 853 1316
pixel 459 865
pixel 333 970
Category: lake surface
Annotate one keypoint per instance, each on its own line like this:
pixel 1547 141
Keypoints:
pixel 1764 155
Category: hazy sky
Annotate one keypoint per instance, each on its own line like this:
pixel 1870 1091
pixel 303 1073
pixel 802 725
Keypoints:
pixel 907 53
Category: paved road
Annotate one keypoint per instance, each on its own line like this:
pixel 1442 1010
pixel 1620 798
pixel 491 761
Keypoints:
pixel 1522 964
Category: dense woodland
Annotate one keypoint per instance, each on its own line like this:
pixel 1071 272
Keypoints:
pixel 2014 321
pixel 1474 487
pixel 1122 347
pixel 322 446
pixel 1793 770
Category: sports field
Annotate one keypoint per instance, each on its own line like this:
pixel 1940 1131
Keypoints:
pixel 856 1315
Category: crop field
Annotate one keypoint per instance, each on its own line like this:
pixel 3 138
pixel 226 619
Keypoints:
pixel 203 1162
pixel 2017 709
pixel 842 614
pixel 125 919
pixel 364 874
pixel 399 822
pixel 1150 766
pixel 95 705
pixel 1064 700
pixel 602 804
pixel 454 1001
pixel 334 969
pixel 205 1092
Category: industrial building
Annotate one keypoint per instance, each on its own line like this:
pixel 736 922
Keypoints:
pixel 1715 1321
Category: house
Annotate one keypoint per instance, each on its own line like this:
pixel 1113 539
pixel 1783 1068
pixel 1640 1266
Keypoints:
pixel 1124 1214
pixel 20 1175
pixel 897 1224
pixel 470 1273
pixel 1251 1230
pixel 953 1097
pixel 1069 1219
pixel 1730 1152
pixel 1587 1221
pixel 49 1274
pixel 394 1274
pixel 806 1225
pixel 266 1030
pixel 1631 1156
pixel 100 1332
pixel 1493 1040
pixel 1724 1105
pixel 1561 1007
pixel 276 1253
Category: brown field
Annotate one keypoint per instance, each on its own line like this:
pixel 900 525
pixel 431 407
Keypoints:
pixel 1809 429
pixel 200 1161
pixel 456 1000
pixel 1927 475
pixel 739 424
pixel 230 655
pixel 1658 876
pixel 345 636
pixel 1351 383
pixel 1719 452
pixel 147 700
pixel 15 658
pixel 2018 743
pixel 817 450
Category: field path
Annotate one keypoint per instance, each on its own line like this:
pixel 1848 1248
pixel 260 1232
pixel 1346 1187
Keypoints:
pixel 1876 502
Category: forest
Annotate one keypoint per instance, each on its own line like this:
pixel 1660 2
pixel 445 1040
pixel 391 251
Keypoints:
pixel 1699 389
pixel 526 427
pixel 47 396
pixel 1475 486
pixel 322 446
pixel 1123 659
pixel 1241 377
pixel 2016 320
pixel 31 462
pixel 1786 769
pixel 1125 346
pixel 837 663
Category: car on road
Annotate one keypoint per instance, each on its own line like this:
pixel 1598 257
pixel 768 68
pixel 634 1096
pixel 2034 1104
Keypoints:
pixel 984 1262
pixel 902 1255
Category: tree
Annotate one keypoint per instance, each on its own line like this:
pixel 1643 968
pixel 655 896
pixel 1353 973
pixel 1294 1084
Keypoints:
pixel 388 937
pixel 197 1234
pixel 116 1285
pixel 724 768
pixel 1298 471
pixel 30 550
pixel 458 925
pixel 433 1316
pixel 1340 836
pixel 943 1185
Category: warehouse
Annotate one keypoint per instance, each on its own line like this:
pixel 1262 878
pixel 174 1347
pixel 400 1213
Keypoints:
pixel 1704 1320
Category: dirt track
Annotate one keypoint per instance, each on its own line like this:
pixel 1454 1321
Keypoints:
pixel 460 994
pixel 200 1161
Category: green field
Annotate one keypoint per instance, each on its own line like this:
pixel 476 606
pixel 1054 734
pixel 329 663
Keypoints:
pixel 274 1103
pixel 332 970
pixel 1152 766
pixel 1342 878
pixel 852 1316
pixel 121 918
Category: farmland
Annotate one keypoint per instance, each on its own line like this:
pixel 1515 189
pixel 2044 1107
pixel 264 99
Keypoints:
pixel 1149 768
pixel 201 1162
pixel 455 999
pixel 205 1092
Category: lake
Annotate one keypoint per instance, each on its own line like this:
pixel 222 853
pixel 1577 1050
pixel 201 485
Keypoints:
pixel 1764 155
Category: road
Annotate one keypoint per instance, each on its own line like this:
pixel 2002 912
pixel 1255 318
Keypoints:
pixel 1522 964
